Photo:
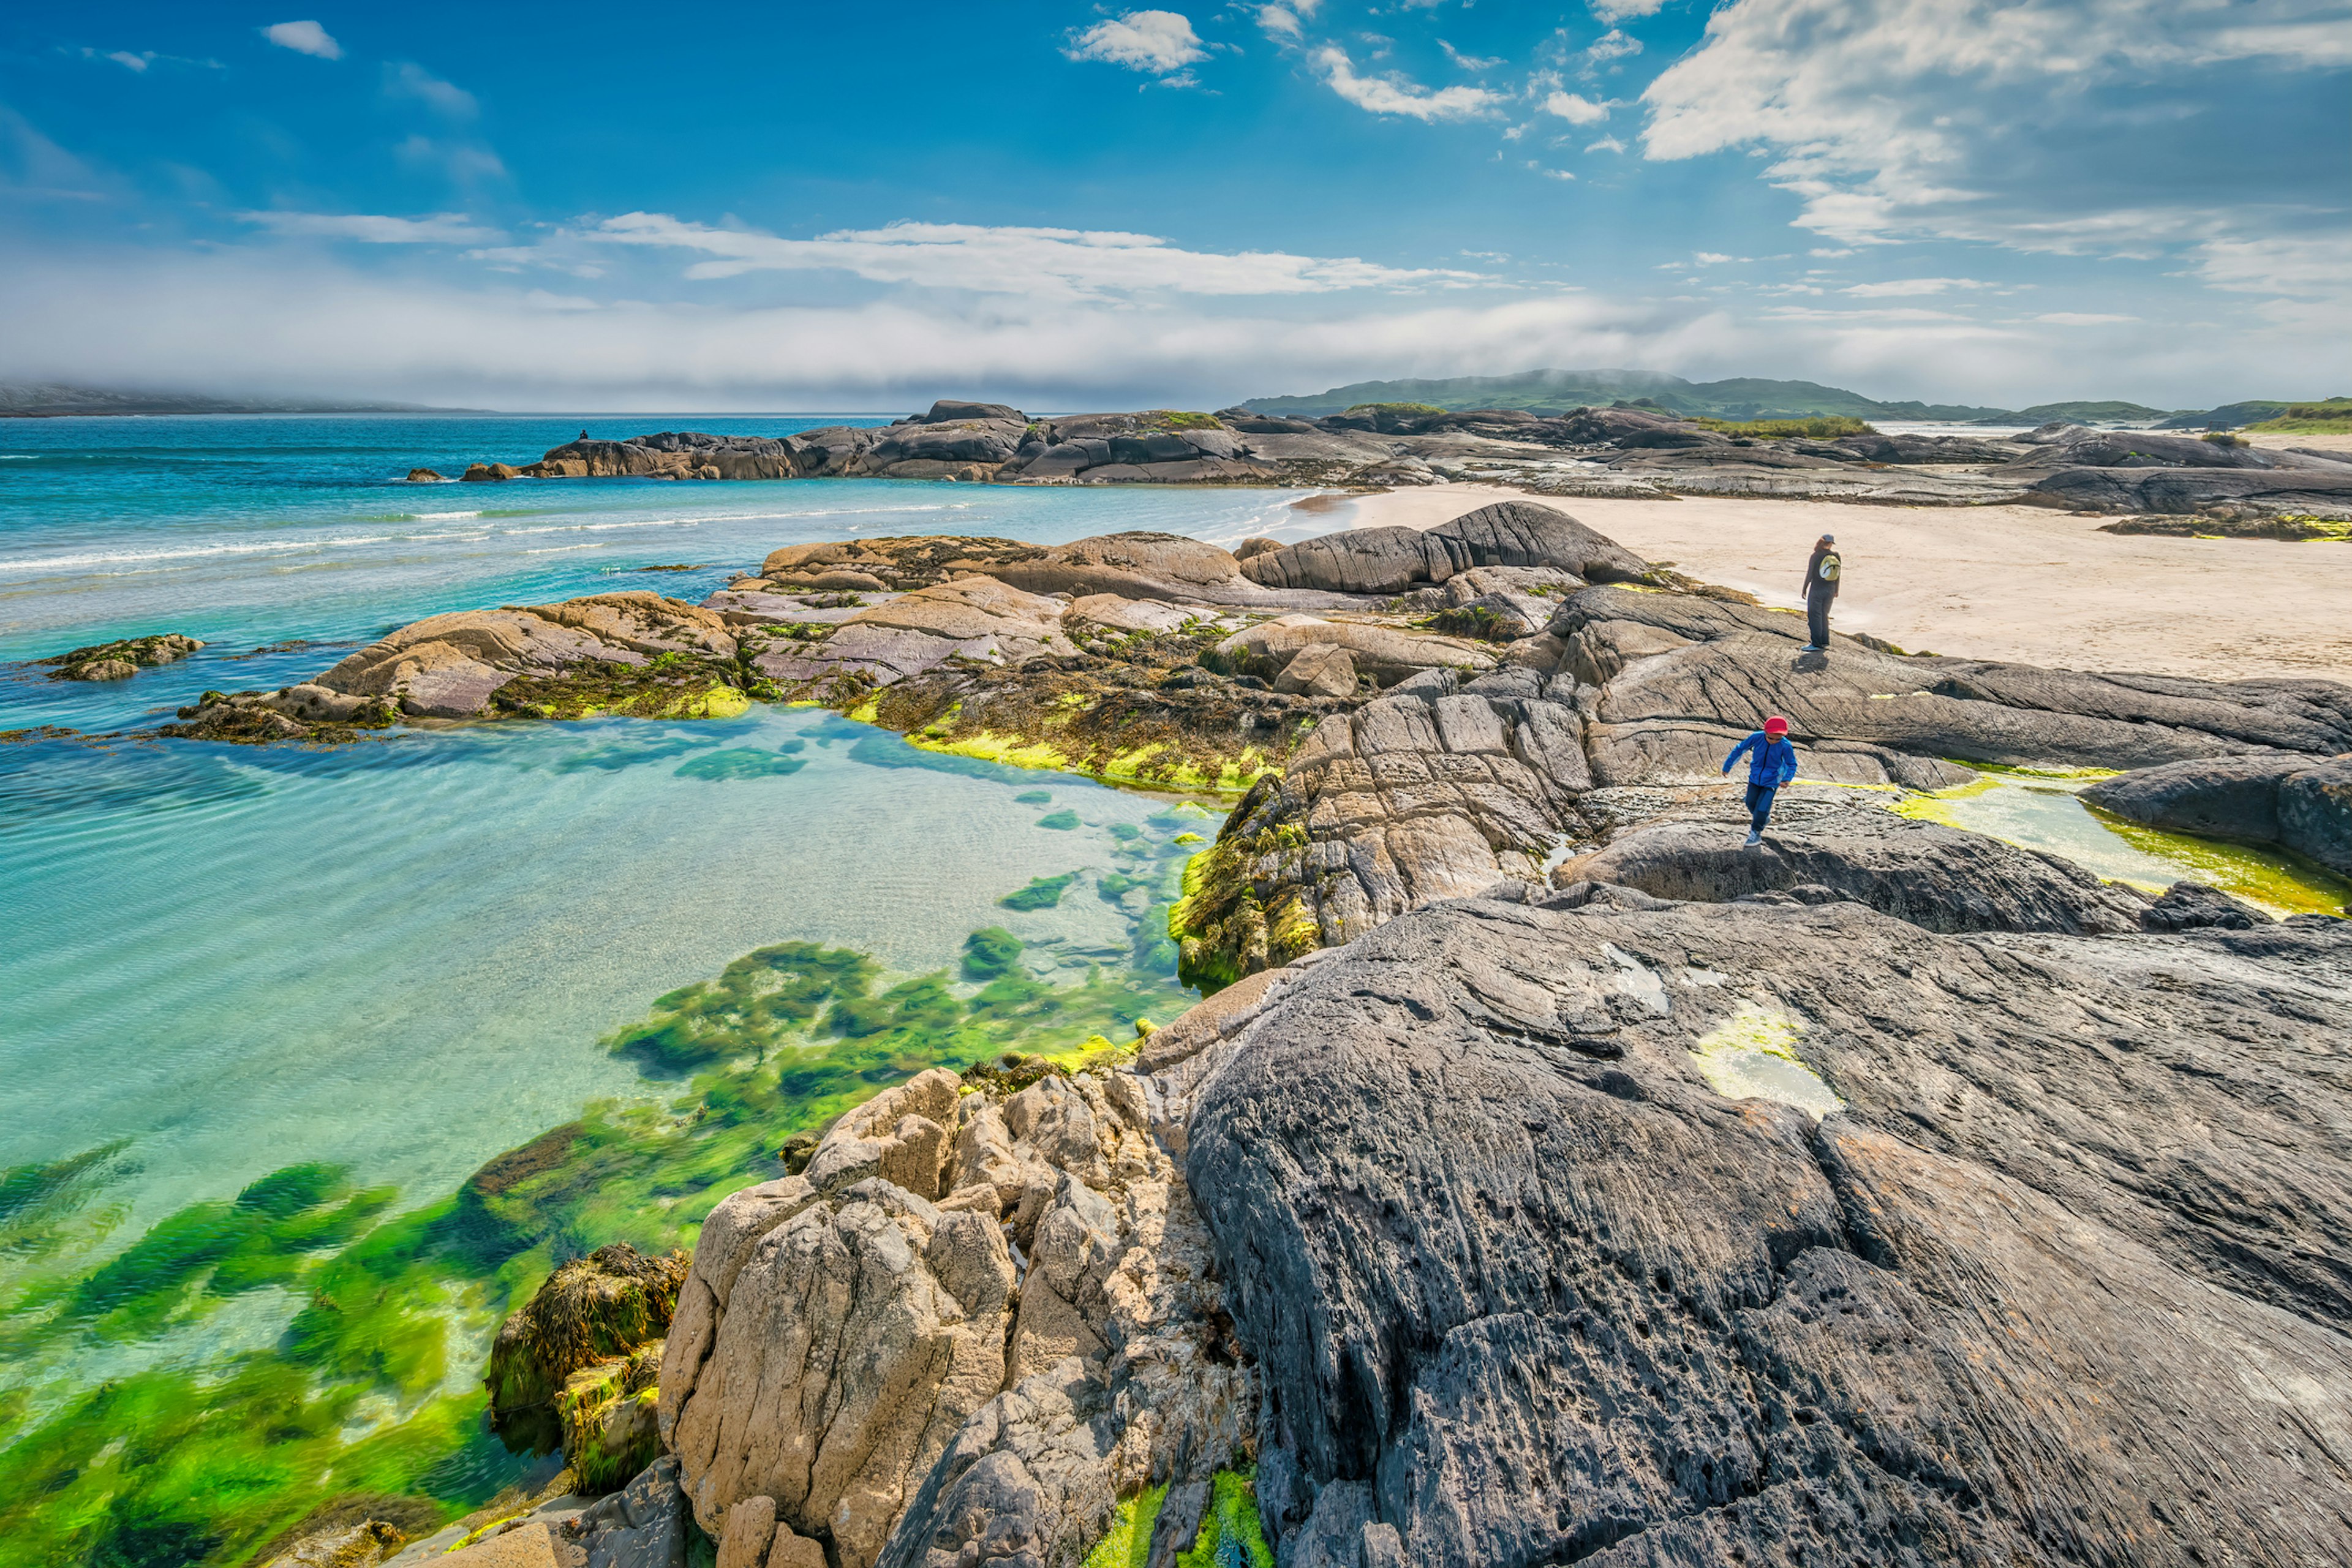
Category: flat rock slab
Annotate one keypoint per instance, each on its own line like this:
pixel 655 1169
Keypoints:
pixel 2064 1275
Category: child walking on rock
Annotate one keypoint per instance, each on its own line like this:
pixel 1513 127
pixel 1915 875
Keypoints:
pixel 1772 762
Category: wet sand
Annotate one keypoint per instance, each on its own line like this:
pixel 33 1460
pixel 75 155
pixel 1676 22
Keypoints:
pixel 1995 581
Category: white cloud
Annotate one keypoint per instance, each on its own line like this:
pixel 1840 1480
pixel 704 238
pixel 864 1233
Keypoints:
pixel 1988 120
pixel 1711 258
pixel 1469 62
pixel 1606 144
pixel 441 228
pixel 1912 287
pixel 1278 21
pixel 1159 42
pixel 463 161
pixel 2079 319
pixel 1618 10
pixel 1551 173
pixel 250 317
pixel 1612 45
pixel 1037 262
pixel 303 39
pixel 408 80
pixel 132 62
pixel 1576 109
pixel 2309 266
pixel 1830 252
pixel 1393 94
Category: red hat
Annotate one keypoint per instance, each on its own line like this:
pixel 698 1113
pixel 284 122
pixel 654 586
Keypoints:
pixel 1776 726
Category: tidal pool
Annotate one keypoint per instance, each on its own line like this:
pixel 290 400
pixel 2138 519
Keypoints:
pixel 2043 811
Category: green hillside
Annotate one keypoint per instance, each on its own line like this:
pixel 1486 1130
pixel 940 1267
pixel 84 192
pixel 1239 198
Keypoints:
pixel 1739 398
pixel 2228 417
pixel 2332 416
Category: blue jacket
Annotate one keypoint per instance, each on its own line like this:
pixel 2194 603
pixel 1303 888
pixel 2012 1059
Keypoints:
pixel 1773 765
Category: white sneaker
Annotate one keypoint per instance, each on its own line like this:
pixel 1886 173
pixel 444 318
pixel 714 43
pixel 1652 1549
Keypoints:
pixel 1754 840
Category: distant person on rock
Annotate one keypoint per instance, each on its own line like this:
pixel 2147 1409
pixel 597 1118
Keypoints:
pixel 1772 762
pixel 1820 592
pixel 583 435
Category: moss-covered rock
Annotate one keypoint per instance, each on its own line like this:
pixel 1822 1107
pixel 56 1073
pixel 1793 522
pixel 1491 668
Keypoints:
pixel 590 1311
pixel 1243 907
pixel 120 661
pixel 606 1412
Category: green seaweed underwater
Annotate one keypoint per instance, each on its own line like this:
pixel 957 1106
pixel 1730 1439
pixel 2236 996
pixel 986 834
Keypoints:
pixel 369 1402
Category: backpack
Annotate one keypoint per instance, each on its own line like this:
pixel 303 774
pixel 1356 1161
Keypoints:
pixel 1830 568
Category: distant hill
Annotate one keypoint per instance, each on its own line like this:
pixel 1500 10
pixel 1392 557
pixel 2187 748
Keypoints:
pixel 2083 414
pixel 1742 397
pixel 2228 417
pixel 1739 398
pixel 34 400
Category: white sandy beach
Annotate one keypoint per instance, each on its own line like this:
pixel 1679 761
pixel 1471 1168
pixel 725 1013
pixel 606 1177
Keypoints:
pixel 1996 581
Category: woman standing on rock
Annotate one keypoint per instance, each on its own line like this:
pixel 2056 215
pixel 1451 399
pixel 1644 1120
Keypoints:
pixel 1821 591
pixel 1771 764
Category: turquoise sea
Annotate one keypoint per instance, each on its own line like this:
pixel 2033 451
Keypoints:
pixel 400 958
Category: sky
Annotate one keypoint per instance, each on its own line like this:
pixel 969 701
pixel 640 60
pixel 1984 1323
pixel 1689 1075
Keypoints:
pixel 833 206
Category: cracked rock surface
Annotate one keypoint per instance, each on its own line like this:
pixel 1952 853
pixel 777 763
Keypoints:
pixel 2064 1278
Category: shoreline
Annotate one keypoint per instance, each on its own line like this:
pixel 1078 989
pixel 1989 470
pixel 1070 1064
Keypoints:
pixel 2021 583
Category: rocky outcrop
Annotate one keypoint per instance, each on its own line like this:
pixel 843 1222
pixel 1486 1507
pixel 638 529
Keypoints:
pixel 991 1316
pixel 1438 789
pixel 1934 877
pixel 632 652
pixel 1621 711
pixel 970 617
pixel 1684 675
pixel 666 455
pixel 120 661
pixel 2303 804
pixel 1643 1233
pixel 1384 560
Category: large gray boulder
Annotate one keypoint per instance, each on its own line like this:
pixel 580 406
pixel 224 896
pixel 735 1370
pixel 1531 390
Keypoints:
pixel 1390 560
pixel 2180 490
pixel 1932 875
pixel 2005 1249
pixel 949 411
pixel 2301 803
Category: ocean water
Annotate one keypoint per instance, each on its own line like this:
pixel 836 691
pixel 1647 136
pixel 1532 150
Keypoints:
pixel 401 956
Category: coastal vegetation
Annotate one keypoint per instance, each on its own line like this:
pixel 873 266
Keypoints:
pixel 1819 426
pixel 2330 416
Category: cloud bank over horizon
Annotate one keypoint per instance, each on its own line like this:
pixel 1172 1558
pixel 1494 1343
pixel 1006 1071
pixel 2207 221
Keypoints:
pixel 2034 201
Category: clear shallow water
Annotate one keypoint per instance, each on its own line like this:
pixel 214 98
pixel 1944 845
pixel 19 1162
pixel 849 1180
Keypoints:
pixel 401 956
pixel 248 532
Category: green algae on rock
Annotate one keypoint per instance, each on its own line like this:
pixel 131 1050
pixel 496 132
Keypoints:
pixel 120 661
pixel 373 1389
pixel 592 1310
pixel 1752 1054
pixel 606 1415
pixel 1242 909
pixel 1042 893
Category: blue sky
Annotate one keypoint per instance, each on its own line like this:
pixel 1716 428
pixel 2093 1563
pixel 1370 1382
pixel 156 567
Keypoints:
pixel 801 207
